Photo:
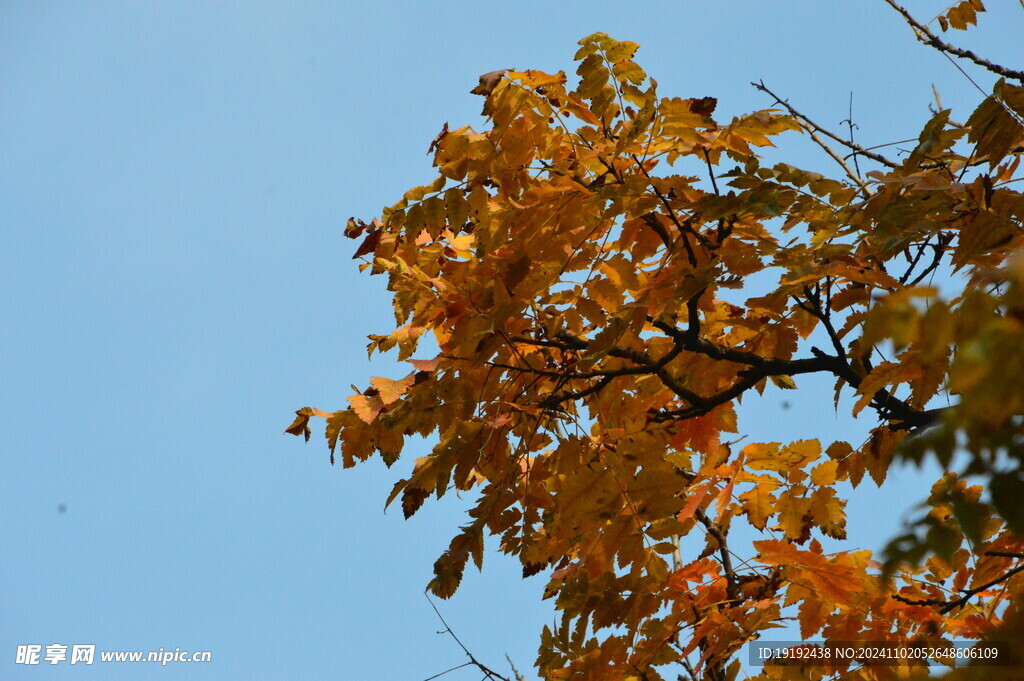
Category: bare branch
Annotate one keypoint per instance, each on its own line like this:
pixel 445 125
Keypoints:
pixel 924 35
pixel 940 249
pixel 838 159
pixel 849 122
pixel 488 672
pixel 515 672
pixel 448 671
pixel 866 153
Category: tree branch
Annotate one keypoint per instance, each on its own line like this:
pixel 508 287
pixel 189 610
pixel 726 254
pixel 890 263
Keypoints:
pixel 769 367
pixel 865 192
pixel 487 671
pixel 732 586
pixel 645 365
pixel 940 249
pixel 887 405
pixel 711 171
pixel 683 227
pixel 758 368
pixel 924 35
pixel 866 153
pixel 950 605
pixel 515 672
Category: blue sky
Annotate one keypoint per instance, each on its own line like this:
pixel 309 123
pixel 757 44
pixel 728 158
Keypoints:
pixel 174 180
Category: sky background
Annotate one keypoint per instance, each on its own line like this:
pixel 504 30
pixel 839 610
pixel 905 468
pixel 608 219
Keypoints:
pixel 174 283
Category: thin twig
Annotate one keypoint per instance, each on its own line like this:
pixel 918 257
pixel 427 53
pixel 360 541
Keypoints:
pixel 711 171
pixel 447 671
pixel 515 672
pixel 849 122
pixel 488 672
pixel 879 146
pixel 1013 114
pixel 850 145
pixel 940 250
pixel 839 159
pixel 683 227
pixel 813 129
pixel 913 263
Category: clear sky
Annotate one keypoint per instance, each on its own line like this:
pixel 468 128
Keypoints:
pixel 174 283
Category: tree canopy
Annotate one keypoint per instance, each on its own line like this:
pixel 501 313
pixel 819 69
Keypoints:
pixel 607 272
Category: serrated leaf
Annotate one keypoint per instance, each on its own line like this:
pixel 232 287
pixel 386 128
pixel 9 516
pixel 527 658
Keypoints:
pixel 758 504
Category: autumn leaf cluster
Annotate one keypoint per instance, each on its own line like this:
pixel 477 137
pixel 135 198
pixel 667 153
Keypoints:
pixel 583 268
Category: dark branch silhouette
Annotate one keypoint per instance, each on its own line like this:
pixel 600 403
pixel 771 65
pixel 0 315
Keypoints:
pixel 924 35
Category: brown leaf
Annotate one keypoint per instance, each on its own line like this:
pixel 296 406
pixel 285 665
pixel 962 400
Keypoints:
pixel 488 82
pixel 995 125
pixel 437 140
pixel 516 272
pixel 369 244
pixel 300 426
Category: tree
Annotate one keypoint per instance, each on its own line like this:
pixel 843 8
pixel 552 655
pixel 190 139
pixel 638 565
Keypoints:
pixel 576 264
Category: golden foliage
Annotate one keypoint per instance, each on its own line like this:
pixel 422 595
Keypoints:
pixel 569 262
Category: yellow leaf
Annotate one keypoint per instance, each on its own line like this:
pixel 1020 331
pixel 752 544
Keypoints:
pixel 390 390
pixel 812 614
pixel 882 376
pixel 763 457
pixel 825 473
pixel 534 78
pixel 366 407
pixel 794 514
pixel 827 512
pixel 784 382
pixel 604 341
pixel 834 580
pixel 758 503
